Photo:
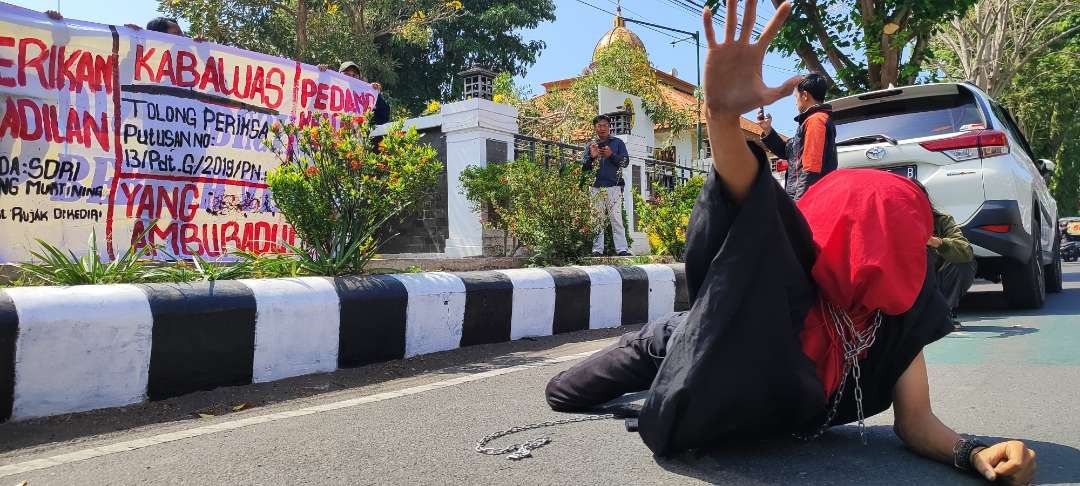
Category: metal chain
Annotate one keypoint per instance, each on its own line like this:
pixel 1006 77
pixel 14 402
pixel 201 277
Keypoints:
pixel 832 411
pixel 855 343
pixel 524 449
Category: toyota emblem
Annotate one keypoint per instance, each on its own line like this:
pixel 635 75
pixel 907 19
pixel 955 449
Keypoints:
pixel 876 153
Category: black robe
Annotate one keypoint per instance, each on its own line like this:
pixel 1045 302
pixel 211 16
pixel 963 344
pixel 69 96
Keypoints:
pixel 735 367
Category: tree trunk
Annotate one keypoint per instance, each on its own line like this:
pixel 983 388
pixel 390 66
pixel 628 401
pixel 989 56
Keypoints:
pixel 806 54
pixel 301 29
pixel 890 66
pixel 868 9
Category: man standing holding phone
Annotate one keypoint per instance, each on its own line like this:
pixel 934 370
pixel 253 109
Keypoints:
pixel 811 153
pixel 607 155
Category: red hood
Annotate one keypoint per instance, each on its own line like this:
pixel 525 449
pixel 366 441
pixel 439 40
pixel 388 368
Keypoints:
pixel 871 229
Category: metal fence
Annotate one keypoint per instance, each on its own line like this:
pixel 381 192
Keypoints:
pixel 658 172
pixel 670 174
pixel 547 152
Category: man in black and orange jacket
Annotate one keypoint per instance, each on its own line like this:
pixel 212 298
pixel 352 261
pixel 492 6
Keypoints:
pixel 811 153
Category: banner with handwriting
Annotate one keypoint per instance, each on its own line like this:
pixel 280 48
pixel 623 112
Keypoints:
pixel 109 130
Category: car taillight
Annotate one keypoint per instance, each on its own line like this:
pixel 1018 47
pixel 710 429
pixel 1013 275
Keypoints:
pixel 971 145
pixel 996 228
pixel 781 166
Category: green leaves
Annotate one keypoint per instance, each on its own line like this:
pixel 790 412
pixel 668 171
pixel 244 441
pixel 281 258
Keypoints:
pixel 57 268
pixel 1045 99
pixel 560 114
pixel 392 44
pixel 849 37
pixel 339 188
pixel 547 209
pixel 1042 93
pixel 666 215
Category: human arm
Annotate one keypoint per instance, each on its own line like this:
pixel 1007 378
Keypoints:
pixel 814 131
pixel 381 114
pixel 915 423
pixel 952 245
pixel 775 144
pixel 619 154
pixel 733 86
pixel 588 155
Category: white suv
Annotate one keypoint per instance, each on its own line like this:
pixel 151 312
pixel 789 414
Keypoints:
pixel 975 162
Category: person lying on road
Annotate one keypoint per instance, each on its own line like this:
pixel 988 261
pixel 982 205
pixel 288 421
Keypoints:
pixel 802 316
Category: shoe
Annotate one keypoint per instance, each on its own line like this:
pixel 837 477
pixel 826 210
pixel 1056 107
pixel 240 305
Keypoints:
pixel 625 253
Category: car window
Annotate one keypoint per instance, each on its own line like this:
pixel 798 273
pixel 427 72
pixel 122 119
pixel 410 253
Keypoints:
pixel 1007 119
pixel 911 118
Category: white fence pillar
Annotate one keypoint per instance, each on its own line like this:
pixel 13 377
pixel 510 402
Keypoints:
pixel 638 149
pixel 477 132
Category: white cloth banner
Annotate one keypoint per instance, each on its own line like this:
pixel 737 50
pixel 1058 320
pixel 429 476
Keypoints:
pixel 107 129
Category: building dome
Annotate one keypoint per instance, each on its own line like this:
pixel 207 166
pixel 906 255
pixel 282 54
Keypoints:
pixel 618 33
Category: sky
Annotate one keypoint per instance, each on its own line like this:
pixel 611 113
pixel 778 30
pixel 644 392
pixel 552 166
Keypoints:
pixel 577 27
pixel 570 38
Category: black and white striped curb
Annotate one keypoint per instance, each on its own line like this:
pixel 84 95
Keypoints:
pixel 70 349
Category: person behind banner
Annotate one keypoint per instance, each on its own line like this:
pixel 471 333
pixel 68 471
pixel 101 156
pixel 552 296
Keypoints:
pixel 380 114
pixel 165 25
pixel 607 155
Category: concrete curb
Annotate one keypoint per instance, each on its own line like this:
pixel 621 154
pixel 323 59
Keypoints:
pixel 72 349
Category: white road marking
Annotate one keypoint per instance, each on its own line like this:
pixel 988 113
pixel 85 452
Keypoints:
pixel 95 452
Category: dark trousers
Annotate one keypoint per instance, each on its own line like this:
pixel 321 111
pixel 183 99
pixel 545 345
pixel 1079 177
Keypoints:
pixel 627 366
pixel 954 280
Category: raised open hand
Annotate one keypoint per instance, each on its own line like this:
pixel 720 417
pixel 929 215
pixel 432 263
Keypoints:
pixel 733 82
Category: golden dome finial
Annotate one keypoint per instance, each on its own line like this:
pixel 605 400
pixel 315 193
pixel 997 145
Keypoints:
pixel 617 33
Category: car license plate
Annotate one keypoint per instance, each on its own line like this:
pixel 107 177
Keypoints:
pixel 909 171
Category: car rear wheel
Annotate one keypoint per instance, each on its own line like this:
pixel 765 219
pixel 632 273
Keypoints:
pixel 1053 270
pixel 1024 282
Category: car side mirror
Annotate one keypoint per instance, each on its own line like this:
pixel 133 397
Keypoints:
pixel 1046 167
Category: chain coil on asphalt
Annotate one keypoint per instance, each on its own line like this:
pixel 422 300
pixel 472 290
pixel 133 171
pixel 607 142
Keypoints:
pixel 521 451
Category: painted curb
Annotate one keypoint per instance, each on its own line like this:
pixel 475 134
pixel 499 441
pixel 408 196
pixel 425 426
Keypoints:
pixel 73 349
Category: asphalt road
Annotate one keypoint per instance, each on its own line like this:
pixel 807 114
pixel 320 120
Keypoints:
pixel 1009 374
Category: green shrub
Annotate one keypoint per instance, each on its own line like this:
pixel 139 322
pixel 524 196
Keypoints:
pixel 543 207
pixel 338 188
pixel 667 214
pixel 272 265
pixel 485 191
pixel 200 269
pixel 58 268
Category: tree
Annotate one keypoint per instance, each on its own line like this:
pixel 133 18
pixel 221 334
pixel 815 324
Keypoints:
pixel 363 31
pixel 415 48
pixel 1028 57
pixel 864 41
pixel 562 113
pixel 485 35
pixel 997 38
pixel 1045 98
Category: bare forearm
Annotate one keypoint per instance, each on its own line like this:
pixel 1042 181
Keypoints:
pixel 915 422
pixel 734 163
pixel 928 436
